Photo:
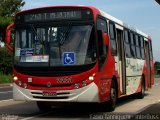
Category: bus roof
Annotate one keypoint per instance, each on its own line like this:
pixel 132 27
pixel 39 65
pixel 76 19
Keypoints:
pixel 110 17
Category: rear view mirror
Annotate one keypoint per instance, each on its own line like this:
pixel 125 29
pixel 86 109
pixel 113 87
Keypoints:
pixel 8 37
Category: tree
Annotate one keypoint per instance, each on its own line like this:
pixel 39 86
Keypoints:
pixel 4 22
pixel 8 8
pixel 158 1
pixel 5 61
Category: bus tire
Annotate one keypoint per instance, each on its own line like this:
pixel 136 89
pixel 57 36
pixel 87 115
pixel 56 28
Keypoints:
pixel 43 106
pixel 142 93
pixel 113 97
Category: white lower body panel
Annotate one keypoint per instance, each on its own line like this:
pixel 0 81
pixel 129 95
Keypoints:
pixel 86 94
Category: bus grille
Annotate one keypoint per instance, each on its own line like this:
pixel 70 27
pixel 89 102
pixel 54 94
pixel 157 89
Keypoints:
pixel 59 95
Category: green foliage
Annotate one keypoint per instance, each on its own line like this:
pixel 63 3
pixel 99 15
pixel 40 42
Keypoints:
pixel 4 22
pixel 157 65
pixel 8 8
pixel 5 61
pixel 5 78
pixel 158 1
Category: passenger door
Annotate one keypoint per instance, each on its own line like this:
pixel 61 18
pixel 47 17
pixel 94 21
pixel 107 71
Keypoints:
pixel 147 58
pixel 121 59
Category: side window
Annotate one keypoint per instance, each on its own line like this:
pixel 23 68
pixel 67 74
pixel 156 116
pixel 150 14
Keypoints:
pixel 101 27
pixel 132 43
pixel 142 47
pixel 137 47
pixel 150 50
pixel 127 44
pixel 113 42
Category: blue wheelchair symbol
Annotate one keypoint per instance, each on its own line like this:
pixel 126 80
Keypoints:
pixel 69 58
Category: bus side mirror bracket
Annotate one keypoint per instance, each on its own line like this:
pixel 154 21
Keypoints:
pixel 106 39
pixel 8 37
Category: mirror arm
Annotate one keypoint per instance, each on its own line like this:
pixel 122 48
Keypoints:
pixel 8 37
pixel 9 47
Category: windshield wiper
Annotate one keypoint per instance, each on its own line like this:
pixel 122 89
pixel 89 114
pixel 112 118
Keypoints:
pixel 38 37
pixel 64 38
pixel 65 34
pixel 35 33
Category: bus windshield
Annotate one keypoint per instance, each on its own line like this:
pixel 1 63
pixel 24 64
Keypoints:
pixel 55 46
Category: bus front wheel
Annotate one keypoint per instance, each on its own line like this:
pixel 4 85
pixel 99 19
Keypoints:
pixel 113 97
pixel 110 105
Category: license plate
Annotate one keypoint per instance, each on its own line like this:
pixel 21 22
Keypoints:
pixel 49 94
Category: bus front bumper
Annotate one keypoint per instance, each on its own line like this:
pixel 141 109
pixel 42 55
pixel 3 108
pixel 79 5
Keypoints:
pixel 86 94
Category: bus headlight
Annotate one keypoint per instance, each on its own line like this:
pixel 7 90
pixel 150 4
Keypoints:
pixel 25 85
pixel 84 83
pixel 15 78
pixel 19 83
pixel 76 86
pixel 91 78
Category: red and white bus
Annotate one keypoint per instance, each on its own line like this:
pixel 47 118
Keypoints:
pixel 78 54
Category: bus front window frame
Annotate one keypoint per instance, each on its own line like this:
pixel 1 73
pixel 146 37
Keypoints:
pixel 36 36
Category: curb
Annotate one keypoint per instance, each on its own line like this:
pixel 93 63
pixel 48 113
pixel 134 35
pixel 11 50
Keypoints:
pixel 5 84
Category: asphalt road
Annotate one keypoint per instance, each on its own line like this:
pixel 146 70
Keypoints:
pixel 5 93
pixel 127 108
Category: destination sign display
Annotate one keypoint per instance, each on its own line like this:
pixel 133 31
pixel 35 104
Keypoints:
pixel 53 16
pixel 47 15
